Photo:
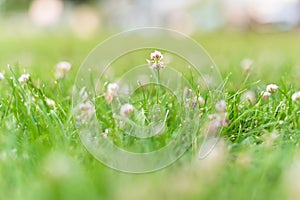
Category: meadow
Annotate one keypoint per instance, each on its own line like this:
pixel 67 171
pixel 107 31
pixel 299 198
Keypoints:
pixel 257 156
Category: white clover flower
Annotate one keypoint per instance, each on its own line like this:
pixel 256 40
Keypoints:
pixel 296 96
pixel 156 55
pixel 187 92
pixel 112 88
pixel 155 61
pixel 217 120
pixel 126 110
pixel 246 64
pixel 62 69
pixel 86 106
pixel 1 76
pixel 83 94
pixel 192 102
pixel 272 88
pixel 265 95
pixel 86 110
pixel 24 78
pixel 108 97
pixel 105 134
pixel 50 102
pixel 221 106
pixel 201 101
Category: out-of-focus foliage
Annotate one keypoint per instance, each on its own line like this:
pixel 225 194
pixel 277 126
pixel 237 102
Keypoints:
pixel 18 5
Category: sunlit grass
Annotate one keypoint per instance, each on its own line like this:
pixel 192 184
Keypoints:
pixel 42 157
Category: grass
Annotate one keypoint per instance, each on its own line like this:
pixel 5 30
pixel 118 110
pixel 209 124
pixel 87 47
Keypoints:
pixel 42 157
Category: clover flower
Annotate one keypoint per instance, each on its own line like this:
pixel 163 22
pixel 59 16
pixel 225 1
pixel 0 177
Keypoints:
pixel 155 61
pixel 112 90
pixel 62 69
pixel 86 110
pixel 50 102
pixel 126 110
pixel 246 64
pixel 272 88
pixel 105 133
pixel 265 95
pixel 221 106
pixel 201 101
pixel 24 78
pixel 217 121
pixel 194 101
pixel 296 96
pixel 1 76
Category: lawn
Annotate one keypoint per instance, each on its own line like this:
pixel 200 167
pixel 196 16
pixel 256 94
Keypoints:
pixel 257 156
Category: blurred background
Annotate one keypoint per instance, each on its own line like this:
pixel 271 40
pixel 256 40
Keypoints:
pixel 32 31
pixel 37 34
pixel 86 17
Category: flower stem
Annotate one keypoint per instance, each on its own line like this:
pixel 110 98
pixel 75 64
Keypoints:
pixel 157 83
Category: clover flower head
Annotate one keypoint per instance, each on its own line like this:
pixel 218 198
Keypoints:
pixel 296 96
pixel 156 55
pixel 112 88
pixel 217 120
pixel 1 76
pixel 105 133
pixel 221 106
pixel 201 101
pixel 265 95
pixel 246 64
pixel 86 110
pixel 62 69
pixel 126 110
pixel 50 102
pixel 155 61
pixel 24 78
pixel 272 88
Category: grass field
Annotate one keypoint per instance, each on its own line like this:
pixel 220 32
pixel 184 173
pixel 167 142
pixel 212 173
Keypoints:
pixel 257 157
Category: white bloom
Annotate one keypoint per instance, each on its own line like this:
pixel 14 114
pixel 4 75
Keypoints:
pixel 194 101
pixel 266 95
pixel 187 92
pixel 105 134
pixel 201 101
pixel 246 64
pixel 83 94
pixel 108 97
pixel 296 96
pixel 86 110
pixel 24 78
pixel 272 88
pixel 217 120
pixel 126 110
pixel 86 106
pixel 62 69
pixel 155 61
pixel 1 76
pixel 156 55
pixel 221 106
pixel 50 102
pixel 112 88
